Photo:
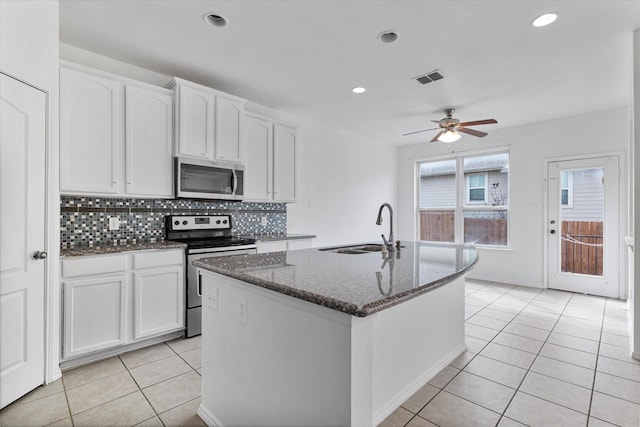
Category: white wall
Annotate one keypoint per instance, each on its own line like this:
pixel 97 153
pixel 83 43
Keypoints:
pixel 29 52
pixel 594 133
pixel 29 41
pixel 342 181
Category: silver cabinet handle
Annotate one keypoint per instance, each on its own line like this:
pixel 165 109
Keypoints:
pixel 40 255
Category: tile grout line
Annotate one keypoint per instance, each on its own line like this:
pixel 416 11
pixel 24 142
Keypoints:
pixel 595 368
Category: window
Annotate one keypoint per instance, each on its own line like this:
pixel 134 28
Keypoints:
pixel 477 188
pixel 464 199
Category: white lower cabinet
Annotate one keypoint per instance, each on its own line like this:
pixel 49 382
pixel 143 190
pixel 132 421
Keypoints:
pixel 116 300
pixel 158 296
pixel 95 314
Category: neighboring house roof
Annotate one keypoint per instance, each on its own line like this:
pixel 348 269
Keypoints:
pixel 472 164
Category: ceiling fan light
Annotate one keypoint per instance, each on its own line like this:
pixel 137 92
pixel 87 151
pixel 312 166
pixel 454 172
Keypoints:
pixel 449 136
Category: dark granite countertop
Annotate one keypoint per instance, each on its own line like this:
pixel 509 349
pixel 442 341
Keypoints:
pixel 110 248
pixel 356 284
pixel 276 237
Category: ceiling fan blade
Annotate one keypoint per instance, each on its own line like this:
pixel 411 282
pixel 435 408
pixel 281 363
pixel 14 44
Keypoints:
pixel 472 132
pixel 479 122
pixel 418 131
pixel 435 138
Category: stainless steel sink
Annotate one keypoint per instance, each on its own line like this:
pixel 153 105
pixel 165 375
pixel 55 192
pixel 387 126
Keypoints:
pixel 354 249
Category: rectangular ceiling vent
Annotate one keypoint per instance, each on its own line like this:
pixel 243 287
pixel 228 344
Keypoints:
pixel 429 77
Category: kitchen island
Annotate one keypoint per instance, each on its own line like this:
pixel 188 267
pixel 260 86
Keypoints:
pixel 330 336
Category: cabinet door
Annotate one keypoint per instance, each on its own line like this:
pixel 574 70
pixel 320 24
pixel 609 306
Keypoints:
pixel 90 133
pixel 258 159
pixel 195 122
pixel 158 301
pixel 149 142
pixel 229 114
pixel 94 314
pixel 284 163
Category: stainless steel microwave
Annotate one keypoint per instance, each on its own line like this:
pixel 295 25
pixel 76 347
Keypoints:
pixel 203 179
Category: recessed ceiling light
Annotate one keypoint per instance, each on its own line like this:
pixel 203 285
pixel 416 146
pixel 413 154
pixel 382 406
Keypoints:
pixel 215 20
pixel 388 36
pixel 544 20
pixel 358 90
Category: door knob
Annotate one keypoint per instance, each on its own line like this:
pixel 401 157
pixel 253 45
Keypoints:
pixel 553 232
pixel 40 255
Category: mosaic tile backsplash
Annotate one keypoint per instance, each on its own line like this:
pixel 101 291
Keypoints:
pixel 84 220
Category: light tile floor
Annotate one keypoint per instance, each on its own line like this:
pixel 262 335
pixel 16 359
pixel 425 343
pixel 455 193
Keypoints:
pixel 535 357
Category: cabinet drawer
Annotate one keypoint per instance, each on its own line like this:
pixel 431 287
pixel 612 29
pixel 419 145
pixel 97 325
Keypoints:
pixel 158 259
pixel 76 267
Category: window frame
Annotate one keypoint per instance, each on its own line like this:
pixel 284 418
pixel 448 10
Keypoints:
pixel 461 196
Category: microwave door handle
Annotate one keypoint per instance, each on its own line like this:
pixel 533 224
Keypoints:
pixel 235 182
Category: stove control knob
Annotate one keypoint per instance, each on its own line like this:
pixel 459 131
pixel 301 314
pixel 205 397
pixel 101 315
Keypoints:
pixel 224 222
pixel 218 222
pixel 176 223
pixel 184 223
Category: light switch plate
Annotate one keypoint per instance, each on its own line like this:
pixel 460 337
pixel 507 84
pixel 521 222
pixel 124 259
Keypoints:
pixel 211 298
pixel 243 311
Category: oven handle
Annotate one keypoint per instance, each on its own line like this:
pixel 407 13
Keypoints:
pixel 199 290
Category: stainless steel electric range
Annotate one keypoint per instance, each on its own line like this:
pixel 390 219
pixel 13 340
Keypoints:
pixel 205 236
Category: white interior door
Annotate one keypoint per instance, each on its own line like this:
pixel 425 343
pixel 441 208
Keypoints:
pixel 583 226
pixel 22 233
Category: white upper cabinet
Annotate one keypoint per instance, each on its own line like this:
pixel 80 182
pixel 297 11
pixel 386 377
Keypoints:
pixel 116 135
pixel 90 133
pixel 195 122
pixel 258 175
pixel 149 142
pixel 229 115
pixel 209 122
pixel 270 160
pixel 284 163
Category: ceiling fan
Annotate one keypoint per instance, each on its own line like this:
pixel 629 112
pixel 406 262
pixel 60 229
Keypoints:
pixel 449 128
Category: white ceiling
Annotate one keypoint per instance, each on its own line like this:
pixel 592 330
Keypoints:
pixel 304 56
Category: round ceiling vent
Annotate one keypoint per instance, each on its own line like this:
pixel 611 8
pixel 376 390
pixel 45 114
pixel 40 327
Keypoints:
pixel 388 36
pixel 215 20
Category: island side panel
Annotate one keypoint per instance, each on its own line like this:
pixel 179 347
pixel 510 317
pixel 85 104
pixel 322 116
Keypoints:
pixel 413 341
pixel 269 359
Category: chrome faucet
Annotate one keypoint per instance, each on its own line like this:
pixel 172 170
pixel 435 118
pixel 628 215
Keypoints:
pixel 388 243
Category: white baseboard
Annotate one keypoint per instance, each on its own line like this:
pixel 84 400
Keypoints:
pixel 410 389
pixel 208 418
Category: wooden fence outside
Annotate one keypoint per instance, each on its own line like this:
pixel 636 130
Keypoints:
pixel 581 244
pixel 581 249
pixel 439 226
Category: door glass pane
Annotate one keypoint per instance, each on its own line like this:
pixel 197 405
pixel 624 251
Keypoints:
pixel 582 221
pixel 437 226
pixel 486 227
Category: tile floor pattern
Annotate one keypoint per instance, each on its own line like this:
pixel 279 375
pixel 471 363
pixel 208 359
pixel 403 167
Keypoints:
pixel 535 357
pixel 154 386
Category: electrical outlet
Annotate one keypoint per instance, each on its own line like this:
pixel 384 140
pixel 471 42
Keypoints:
pixel 243 311
pixel 114 223
pixel 212 298
pixel 263 221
